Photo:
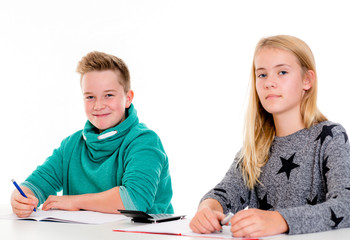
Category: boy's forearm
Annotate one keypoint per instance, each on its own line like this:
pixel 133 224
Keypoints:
pixel 108 201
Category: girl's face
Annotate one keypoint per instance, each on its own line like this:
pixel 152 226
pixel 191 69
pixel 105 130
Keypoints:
pixel 280 81
pixel 105 100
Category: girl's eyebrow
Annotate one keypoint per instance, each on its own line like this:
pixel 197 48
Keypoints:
pixel 282 65
pixel 277 66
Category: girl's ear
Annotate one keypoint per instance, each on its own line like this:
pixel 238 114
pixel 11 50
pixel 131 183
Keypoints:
pixel 129 98
pixel 309 79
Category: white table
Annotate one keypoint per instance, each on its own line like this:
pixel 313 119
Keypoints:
pixel 32 230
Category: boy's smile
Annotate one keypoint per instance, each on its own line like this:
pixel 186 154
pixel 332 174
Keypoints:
pixel 105 100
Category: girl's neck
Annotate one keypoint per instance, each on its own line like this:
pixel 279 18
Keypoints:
pixel 287 124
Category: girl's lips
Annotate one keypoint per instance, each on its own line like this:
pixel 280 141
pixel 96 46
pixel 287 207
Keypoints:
pixel 272 96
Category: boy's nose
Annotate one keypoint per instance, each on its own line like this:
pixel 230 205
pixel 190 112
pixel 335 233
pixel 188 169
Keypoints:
pixel 99 104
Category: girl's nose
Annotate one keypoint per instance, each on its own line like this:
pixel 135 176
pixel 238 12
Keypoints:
pixel 270 83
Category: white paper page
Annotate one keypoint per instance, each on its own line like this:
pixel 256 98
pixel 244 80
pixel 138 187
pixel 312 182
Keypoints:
pixel 181 227
pixel 88 217
pixel 177 227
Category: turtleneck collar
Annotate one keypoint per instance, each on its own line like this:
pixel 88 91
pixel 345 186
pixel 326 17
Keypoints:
pixel 102 145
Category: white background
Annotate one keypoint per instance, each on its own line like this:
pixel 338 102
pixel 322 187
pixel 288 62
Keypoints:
pixel 190 64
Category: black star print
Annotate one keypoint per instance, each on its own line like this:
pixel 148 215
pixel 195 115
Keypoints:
pixel 335 219
pixel 326 131
pixel 347 188
pixel 242 200
pixel 345 136
pixel 263 204
pixel 313 201
pixel 220 190
pixel 287 165
pixel 325 170
pixel 221 196
pixel 220 193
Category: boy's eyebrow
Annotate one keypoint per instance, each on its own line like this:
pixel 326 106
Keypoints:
pixel 108 90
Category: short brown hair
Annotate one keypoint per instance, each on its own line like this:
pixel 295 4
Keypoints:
pixel 99 61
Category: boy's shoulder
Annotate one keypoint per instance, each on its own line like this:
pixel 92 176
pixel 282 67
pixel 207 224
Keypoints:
pixel 74 137
pixel 141 130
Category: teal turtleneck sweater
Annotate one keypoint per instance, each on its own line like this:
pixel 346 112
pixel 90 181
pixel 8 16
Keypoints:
pixel 128 155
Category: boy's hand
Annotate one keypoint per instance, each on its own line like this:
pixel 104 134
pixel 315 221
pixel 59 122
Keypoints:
pixel 206 220
pixel 22 206
pixel 66 202
pixel 257 223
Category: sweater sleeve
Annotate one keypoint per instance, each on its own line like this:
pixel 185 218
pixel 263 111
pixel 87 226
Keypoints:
pixel 231 192
pixel 46 180
pixel 334 212
pixel 146 179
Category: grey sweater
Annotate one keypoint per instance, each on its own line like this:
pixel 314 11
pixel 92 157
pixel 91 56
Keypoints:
pixel 306 179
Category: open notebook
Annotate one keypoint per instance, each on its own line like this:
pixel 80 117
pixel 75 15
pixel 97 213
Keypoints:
pixel 87 217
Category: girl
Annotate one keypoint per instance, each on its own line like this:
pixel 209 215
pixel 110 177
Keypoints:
pixel 293 170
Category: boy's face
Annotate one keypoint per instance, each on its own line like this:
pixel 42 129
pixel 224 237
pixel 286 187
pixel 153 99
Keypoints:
pixel 104 98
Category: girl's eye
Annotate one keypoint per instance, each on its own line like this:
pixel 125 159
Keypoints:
pixel 262 75
pixel 282 72
pixel 109 95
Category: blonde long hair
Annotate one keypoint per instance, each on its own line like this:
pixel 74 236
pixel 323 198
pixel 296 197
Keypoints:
pixel 259 130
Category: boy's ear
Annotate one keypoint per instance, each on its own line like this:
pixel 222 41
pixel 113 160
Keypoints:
pixel 309 80
pixel 129 98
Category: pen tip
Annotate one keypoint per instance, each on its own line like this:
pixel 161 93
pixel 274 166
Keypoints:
pixel 12 180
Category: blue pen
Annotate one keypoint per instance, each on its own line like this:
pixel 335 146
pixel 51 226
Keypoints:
pixel 20 190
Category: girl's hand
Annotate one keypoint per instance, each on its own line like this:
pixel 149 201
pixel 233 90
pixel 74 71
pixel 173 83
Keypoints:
pixel 22 206
pixel 66 202
pixel 257 223
pixel 206 220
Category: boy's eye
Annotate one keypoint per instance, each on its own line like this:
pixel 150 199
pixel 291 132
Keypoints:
pixel 109 95
pixel 89 97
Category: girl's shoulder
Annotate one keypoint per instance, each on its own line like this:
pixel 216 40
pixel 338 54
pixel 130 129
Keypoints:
pixel 327 128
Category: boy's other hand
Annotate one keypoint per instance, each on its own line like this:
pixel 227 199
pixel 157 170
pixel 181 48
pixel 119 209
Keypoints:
pixel 66 202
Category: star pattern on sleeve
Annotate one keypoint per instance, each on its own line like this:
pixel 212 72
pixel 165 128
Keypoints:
pixel 345 137
pixel 263 204
pixel 326 131
pixel 287 165
pixel 335 219
pixel 242 200
pixel 325 170
pixel 313 201
pixel 221 194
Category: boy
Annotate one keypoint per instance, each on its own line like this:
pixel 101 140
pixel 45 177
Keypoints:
pixel 114 163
